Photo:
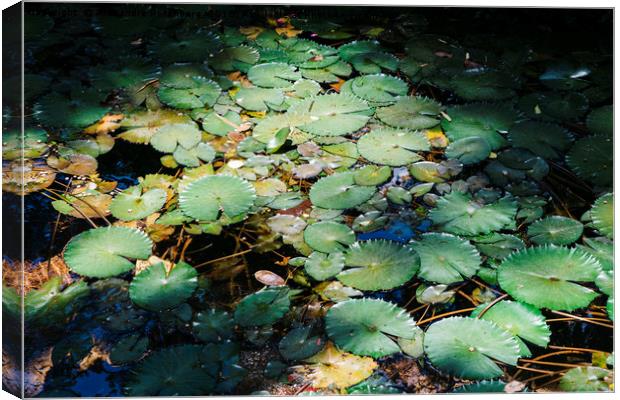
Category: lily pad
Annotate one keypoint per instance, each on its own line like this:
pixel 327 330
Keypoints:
pixel 445 258
pixel 459 214
pixel 168 137
pixel 339 192
pixel 300 343
pixel 602 214
pixel 331 114
pixel 467 347
pixel 259 99
pixel 155 289
pixel 378 265
pixel 372 175
pixel 273 75
pixel 487 121
pixel 591 158
pixel 587 379
pixel 213 325
pixel 328 236
pixel 366 326
pixel 200 92
pixel 555 230
pixel 131 204
pixel 411 113
pixel 549 277
pixel 209 197
pixel 549 141
pixel 321 266
pixel 392 147
pixel 600 121
pixel 378 90
pixel 469 150
pixel 522 320
pixel 264 307
pixel 105 252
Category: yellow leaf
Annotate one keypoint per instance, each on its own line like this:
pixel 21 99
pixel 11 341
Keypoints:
pixel 437 137
pixel 108 123
pixel 335 369
pixel 288 30
pixel 256 114
pixel 336 86
pixel 251 32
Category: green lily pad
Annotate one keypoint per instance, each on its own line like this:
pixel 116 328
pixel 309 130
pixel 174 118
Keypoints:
pixel 555 230
pixel 339 192
pixel 600 248
pixel 480 84
pixel 328 236
pixel 587 379
pixel 549 141
pixel 413 347
pixel 169 136
pixel 329 74
pixel 82 109
pixel 238 58
pixel 219 125
pixel 105 252
pixel 521 320
pixel 192 157
pixel 591 158
pixel 209 197
pixel 368 57
pixel 602 214
pixel 200 92
pixel 310 54
pixel 392 147
pixel 411 113
pixel 131 204
pixel 554 106
pixel 264 307
pixel 498 245
pixel 156 290
pixel 186 47
pixel 469 150
pixel 331 114
pixel 549 277
pixel 485 386
pixel 488 121
pixel 300 343
pixel 128 349
pixel 259 99
pixel 273 75
pixel 321 266
pixel 445 258
pixel 467 347
pixel 372 175
pixel 601 122
pixel 459 214
pixel 378 265
pixel 213 325
pixel 176 370
pixel 378 89
pixel 362 326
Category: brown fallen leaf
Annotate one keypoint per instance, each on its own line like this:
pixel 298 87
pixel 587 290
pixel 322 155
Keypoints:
pixel 269 278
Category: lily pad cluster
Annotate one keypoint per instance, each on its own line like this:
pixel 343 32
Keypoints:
pixel 328 193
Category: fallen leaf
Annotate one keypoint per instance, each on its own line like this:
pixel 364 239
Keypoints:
pixel 269 278
pixel 109 123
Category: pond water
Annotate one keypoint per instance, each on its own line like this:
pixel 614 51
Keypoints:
pixel 291 200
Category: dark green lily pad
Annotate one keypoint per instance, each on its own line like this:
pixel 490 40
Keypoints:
pixel 208 198
pixel 264 307
pixel 362 326
pixel 105 252
pixel 156 290
pixel 378 265
pixel 549 277
pixel 467 347
pixel 300 343
pixel 555 230
pixel 445 258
